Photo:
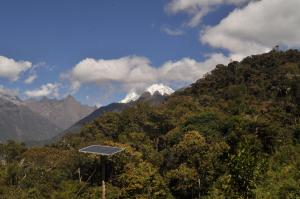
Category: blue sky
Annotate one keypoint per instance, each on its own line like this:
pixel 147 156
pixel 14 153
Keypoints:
pixel 54 36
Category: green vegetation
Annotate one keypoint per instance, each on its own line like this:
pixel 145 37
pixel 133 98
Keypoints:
pixel 233 134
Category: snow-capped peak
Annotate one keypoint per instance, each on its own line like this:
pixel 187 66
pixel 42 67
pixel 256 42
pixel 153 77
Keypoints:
pixel 162 89
pixel 131 96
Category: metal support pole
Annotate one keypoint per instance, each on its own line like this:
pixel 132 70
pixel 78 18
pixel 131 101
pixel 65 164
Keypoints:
pixel 199 185
pixel 103 177
pixel 79 176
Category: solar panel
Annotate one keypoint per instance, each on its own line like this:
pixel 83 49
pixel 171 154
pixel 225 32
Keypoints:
pixel 101 150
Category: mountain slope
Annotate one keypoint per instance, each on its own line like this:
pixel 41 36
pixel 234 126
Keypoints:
pixel 63 113
pixel 17 122
pixel 155 94
pixel 113 107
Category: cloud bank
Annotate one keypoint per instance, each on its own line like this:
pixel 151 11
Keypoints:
pixel 30 79
pixel 197 9
pixel 49 90
pixel 256 28
pixel 8 92
pixel 137 72
pixel 11 69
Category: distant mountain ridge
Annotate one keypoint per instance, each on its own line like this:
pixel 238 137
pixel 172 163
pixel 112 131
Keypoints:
pixel 63 113
pixel 155 94
pixel 18 122
pixel 35 120
pixel 44 119
pixel 113 107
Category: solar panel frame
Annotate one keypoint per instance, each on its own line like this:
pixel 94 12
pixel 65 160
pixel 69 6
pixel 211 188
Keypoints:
pixel 101 150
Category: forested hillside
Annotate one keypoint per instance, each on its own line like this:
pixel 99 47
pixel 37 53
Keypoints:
pixel 235 133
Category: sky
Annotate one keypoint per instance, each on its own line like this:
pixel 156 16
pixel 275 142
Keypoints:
pixel 99 50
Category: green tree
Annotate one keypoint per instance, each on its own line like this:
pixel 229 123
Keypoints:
pixel 143 181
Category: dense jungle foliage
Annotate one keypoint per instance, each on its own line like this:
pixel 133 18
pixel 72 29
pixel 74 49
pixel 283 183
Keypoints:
pixel 235 133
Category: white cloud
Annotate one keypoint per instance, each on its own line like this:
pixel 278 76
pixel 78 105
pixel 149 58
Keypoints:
pixel 10 95
pixel 197 9
pixel 50 90
pixel 11 69
pixel 32 73
pixel 172 32
pixel 30 79
pixel 129 70
pixel 187 69
pixel 137 72
pixel 257 28
pixel 8 92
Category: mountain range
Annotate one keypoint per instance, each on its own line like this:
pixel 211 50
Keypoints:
pixel 36 120
pixel 63 113
pixel 18 122
pixel 154 95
